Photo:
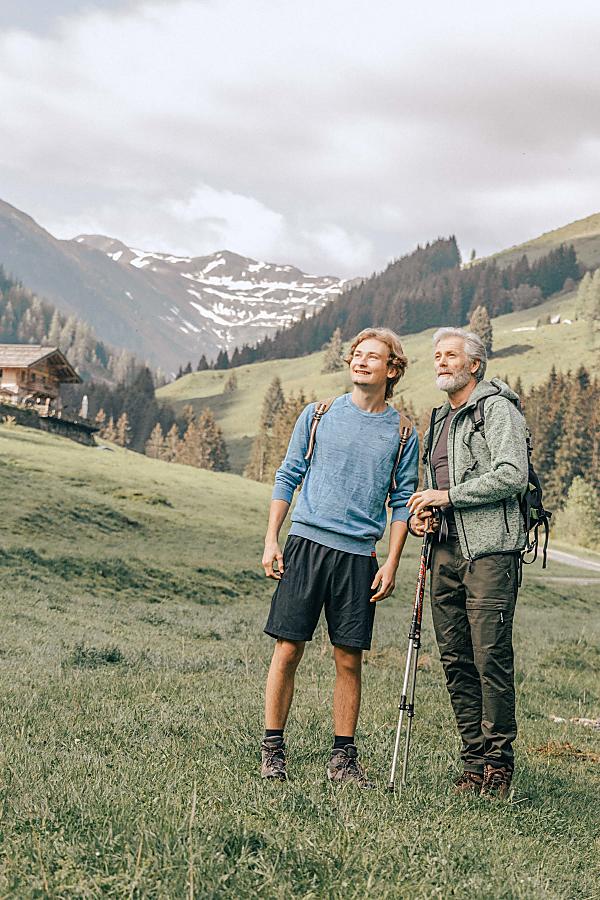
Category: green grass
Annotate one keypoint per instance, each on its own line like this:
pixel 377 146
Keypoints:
pixel 584 234
pixel 132 668
pixel 525 354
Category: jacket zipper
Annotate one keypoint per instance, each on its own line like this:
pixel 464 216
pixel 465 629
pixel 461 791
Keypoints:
pixel 505 516
pixel 453 428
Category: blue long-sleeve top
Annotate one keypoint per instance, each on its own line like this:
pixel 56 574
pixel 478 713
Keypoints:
pixel 345 485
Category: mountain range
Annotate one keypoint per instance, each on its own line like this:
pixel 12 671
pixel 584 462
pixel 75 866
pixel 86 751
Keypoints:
pixel 169 309
pixel 166 308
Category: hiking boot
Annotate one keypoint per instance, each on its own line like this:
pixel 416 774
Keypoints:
pixel 344 766
pixel 496 781
pixel 468 783
pixel 273 759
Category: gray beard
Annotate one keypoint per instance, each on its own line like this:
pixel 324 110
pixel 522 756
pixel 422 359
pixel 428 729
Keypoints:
pixel 453 383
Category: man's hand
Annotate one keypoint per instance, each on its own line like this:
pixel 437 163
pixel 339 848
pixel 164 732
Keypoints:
pixel 385 580
pixel 421 500
pixel 419 524
pixel 272 554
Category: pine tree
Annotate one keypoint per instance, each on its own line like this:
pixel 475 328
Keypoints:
pixel 481 325
pixel 100 420
pixel 332 360
pixel 272 407
pixel 584 296
pixel 109 433
pixel 203 445
pixel 273 403
pixel 123 431
pixel 222 361
pixel 155 444
pixel 281 434
pixel 230 386
pixel 579 521
pixel 213 441
pixel 54 330
pixel 172 445
pixel 202 364
pixel 574 453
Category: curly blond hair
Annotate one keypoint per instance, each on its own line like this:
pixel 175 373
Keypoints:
pixel 396 356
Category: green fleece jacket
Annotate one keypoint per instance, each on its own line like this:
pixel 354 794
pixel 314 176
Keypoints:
pixel 487 473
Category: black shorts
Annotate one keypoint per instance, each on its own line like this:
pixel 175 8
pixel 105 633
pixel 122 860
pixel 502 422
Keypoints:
pixel 315 576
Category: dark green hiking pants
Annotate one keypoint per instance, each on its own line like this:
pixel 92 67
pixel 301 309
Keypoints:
pixel 473 606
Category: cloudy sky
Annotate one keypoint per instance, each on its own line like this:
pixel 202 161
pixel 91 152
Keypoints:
pixel 328 134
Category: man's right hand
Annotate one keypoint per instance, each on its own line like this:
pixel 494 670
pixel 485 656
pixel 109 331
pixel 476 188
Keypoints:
pixel 422 522
pixel 271 555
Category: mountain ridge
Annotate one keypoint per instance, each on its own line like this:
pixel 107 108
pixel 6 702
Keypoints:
pixel 138 299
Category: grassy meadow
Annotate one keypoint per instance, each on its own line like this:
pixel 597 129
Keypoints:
pixel 584 234
pixel 528 354
pixel 132 666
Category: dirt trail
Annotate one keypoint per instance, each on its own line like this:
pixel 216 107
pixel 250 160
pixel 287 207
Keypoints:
pixel 570 559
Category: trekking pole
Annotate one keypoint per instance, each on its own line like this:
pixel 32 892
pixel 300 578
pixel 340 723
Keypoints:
pixel 407 700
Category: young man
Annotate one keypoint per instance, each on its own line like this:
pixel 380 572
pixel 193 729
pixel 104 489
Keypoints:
pixel 475 476
pixel 329 558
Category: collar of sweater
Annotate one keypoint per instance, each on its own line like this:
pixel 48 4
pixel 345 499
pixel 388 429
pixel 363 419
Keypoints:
pixel 492 388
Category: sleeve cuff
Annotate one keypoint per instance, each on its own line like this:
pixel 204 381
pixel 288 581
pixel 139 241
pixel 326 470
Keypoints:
pixel 400 514
pixel 281 492
pixel 451 496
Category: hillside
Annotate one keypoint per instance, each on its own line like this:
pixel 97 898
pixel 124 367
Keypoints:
pixel 584 234
pixel 167 309
pixel 521 350
pixel 133 663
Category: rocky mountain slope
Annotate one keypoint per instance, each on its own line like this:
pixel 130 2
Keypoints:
pixel 168 309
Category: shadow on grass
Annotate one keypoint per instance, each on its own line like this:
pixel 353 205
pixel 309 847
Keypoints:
pixel 134 578
pixel 513 350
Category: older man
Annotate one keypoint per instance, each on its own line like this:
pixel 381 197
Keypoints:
pixel 475 472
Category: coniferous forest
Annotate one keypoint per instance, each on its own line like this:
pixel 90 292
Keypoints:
pixel 425 289
pixel 25 319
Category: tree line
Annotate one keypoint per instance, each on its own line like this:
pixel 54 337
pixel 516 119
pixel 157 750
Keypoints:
pixel 129 415
pixel 562 413
pixel 426 289
pixel 26 319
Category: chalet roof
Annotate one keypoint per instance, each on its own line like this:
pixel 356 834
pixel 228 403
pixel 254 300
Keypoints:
pixel 22 356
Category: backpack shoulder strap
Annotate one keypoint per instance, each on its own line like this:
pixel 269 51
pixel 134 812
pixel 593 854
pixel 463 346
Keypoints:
pixel 479 413
pixel 405 427
pixel 320 410
pixel 479 416
pixel 434 413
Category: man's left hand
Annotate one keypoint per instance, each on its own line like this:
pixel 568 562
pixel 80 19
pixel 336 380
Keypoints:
pixel 385 580
pixel 427 499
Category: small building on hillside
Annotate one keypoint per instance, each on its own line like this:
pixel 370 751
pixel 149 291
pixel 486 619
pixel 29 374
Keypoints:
pixel 30 380
pixel 31 375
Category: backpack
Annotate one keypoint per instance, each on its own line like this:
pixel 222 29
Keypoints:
pixel 531 500
pixel 405 429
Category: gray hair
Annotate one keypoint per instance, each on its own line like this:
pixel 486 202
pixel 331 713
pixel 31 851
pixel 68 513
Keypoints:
pixel 474 347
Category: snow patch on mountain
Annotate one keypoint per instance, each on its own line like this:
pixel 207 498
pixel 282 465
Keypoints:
pixel 223 300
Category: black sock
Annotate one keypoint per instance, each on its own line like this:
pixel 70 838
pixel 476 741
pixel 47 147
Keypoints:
pixel 340 741
pixel 273 732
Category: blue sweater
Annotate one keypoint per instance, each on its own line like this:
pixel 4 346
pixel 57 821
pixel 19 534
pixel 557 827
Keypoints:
pixel 345 486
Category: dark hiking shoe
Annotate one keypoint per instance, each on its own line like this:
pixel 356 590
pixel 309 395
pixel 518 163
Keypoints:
pixel 273 759
pixel 468 783
pixel 344 766
pixel 496 782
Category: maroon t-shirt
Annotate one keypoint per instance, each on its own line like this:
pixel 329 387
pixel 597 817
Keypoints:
pixel 439 456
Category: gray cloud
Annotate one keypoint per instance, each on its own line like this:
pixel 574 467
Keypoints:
pixel 330 137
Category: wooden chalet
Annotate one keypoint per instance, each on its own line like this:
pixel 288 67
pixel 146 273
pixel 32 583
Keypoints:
pixel 31 375
pixel 30 380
